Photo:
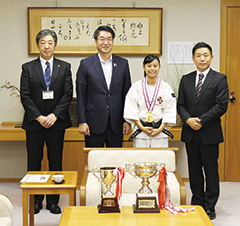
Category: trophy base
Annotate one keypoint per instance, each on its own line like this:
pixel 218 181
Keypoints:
pixel 108 205
pixel 141 210
pixel 146 204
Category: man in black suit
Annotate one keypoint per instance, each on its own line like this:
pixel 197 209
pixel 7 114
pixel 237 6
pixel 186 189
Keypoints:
pixel 102 83
pixel 203 99
pixel 46 92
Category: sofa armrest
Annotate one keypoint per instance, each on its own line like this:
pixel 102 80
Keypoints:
pixel 182 188
pixel 83 187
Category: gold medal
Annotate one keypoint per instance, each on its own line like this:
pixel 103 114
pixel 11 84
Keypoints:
pixel 149 117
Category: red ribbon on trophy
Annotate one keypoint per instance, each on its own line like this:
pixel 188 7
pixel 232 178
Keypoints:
pixel 120 176
pixel 164 195
pixel 161 188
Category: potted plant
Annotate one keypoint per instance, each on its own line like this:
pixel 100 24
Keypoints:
pixel 173 77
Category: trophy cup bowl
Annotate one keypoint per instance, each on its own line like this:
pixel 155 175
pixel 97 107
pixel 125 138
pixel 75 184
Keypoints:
pixel 145 170
pixel 107 177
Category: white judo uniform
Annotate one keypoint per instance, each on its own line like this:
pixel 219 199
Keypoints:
pixel 165 109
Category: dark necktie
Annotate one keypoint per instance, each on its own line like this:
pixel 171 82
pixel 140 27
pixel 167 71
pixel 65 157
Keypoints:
pixel 199 85
pixel 48 75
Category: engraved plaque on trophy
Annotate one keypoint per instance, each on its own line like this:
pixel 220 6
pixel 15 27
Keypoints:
pixel 146 201
pixel 108 200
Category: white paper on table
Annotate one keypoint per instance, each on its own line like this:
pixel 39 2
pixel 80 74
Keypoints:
pixel 39 178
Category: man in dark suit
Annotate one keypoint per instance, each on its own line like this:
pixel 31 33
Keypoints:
pixel 102 83
pixel 203 99
pixel 46 92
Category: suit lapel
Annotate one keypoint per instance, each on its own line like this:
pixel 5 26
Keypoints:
pixel 39 72
pixel 98 67
pixel 192 82
pixel 56 67
pixel 114 71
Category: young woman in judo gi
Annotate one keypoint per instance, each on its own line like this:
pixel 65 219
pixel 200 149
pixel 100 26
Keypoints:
pixel 150 105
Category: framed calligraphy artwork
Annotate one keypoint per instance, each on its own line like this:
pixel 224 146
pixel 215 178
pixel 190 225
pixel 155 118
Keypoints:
pixel 138 31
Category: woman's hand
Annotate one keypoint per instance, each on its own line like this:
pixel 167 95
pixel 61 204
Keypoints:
pixel 155 132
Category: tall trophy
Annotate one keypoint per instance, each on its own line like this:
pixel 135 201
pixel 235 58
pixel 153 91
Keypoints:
pixel 109 202
pixel 146 201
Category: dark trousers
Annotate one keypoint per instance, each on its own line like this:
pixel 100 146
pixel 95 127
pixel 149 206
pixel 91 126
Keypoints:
pixel 108 137
pixel 35 143
pixel 203 157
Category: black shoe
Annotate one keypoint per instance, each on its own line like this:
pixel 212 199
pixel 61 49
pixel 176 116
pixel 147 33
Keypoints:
pixel 54 208
pixel 211 214
pixel 37 206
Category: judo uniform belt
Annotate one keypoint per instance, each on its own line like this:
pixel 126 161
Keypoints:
pixel 155 125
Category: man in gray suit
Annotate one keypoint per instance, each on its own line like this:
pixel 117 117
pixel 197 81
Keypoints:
pixel 203 99
pixel 102 83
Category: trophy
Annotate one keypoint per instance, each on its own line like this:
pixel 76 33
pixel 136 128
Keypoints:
pixel 109 202
pixel 146 201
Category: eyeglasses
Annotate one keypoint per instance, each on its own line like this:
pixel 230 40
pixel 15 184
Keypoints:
pixel 105 40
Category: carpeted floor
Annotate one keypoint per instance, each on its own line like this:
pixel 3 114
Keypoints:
pixel 227 208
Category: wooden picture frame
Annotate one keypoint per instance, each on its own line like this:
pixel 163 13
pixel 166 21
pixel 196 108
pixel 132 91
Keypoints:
pixel 138 31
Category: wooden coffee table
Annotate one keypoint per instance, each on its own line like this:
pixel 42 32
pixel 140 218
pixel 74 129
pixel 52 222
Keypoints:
pixel 30 189
pixel 88 215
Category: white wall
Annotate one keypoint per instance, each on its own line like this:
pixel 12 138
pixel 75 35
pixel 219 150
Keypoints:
pixel 186 21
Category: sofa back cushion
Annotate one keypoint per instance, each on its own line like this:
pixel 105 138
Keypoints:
pixel 118 158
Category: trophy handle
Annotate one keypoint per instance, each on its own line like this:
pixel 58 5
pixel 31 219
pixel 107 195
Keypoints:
pixel 129 168
pixel 160 166
pixel 95 169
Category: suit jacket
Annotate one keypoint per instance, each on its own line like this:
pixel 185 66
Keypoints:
pixel 96 103
pixel 211 105
pixel 31 88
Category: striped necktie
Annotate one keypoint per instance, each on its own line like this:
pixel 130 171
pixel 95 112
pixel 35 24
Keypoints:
pixel 48 75
pixel 199 85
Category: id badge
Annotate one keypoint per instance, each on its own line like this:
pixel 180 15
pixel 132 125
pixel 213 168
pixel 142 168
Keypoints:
pixel 48 95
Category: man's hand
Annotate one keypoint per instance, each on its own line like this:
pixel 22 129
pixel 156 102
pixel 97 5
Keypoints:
pixel 126 128
pixel 51 119
pixel 84 129
pixel 41 119
pixel 194 123
pixel 47 121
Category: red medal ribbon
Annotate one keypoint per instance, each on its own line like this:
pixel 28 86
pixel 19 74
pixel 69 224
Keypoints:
pixel 164 195
pixel 150 105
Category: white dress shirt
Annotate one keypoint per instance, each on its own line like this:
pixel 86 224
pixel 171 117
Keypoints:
pixel 107 69
pixel 43 63
pixel 204 77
